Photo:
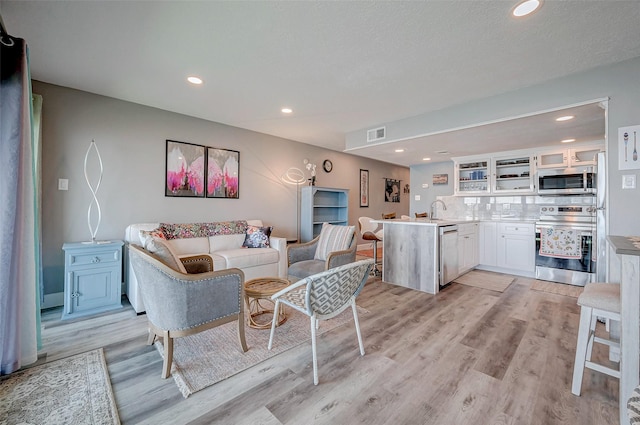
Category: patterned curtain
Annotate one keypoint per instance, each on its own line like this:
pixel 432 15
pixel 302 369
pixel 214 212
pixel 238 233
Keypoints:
pixel 19 211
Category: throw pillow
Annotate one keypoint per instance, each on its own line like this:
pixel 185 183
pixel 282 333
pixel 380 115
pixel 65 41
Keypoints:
pixel 161 249
pixel 333 238
pixel 257 237
pixel 147 235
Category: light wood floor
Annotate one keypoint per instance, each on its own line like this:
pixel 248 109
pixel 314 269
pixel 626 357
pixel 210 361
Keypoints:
pixel 465 356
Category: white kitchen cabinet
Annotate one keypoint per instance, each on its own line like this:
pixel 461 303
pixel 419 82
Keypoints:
pixel 504 174
pixel 472 176
pixel 467 247
pixel 516 246
pixel 568 158
pixel 513 174
pixel 488 243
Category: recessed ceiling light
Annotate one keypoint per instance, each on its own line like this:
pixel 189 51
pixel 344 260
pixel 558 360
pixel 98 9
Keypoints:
pixel 426 159
pixel 565 118
pixel 286 110
pixel 194 80
pixel 567 140
pixel 526 7
pixel 399 150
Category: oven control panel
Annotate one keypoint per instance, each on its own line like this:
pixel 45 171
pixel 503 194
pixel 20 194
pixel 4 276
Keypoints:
pixel 567 212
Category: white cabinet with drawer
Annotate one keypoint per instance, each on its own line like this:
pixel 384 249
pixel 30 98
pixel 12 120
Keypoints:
pixel 516 246
pixel 93 278
pixel 507 246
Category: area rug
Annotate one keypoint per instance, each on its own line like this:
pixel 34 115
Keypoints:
pixel 75 390
pixel 486 280
pixel 557 288
pixel 208 357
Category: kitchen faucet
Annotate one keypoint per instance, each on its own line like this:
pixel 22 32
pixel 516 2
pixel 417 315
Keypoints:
pixel 433 208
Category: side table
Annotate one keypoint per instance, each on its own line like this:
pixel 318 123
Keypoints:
pixel 261 289
pixel 93 277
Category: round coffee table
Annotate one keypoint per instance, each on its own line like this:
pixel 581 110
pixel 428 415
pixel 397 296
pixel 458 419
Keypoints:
pixel 257 292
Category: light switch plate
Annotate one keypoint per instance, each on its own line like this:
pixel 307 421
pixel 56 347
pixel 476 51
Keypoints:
pixel 63 184
pixel 629 181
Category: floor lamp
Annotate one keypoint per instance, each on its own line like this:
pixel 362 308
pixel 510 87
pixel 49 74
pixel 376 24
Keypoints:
pixel 295 176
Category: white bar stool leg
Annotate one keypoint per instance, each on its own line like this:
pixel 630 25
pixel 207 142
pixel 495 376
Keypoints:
pixel 584 330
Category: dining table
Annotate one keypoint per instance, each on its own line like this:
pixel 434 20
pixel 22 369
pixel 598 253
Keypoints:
pixel 627 248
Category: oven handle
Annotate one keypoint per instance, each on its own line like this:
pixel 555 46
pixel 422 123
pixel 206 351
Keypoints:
pixel 574 226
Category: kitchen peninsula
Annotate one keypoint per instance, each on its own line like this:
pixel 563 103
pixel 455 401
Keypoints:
pixel 411 255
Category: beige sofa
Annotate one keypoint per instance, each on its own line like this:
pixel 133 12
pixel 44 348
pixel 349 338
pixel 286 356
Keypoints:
pixel 225 250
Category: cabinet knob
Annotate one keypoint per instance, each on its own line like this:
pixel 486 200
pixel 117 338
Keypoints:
pixel 95 260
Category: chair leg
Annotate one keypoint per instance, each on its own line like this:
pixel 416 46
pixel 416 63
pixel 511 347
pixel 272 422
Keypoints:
pixel 168 355
pixel 355 319
pixel 592 335
pixel 243 341
pixel 581 349
pixel 274 322
pixel 376 272
pixel 151 338
pixel 314 323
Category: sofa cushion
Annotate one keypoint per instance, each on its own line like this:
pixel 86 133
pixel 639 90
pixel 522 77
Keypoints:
pixel 190 246
pixel 257 237
pixel 305 268
pixel 333 238
pixel 225 242
pixel 164 253
pixel 242 257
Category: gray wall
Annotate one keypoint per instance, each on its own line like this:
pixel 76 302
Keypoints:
pixel 620 82
pixel 423 175
pixel 131 139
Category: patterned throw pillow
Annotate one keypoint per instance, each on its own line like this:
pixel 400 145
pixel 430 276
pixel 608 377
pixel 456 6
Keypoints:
pixel 333 238
pixel 147 235
pixel 257 237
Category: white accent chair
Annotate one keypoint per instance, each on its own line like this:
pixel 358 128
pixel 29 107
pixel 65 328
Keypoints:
pixel 323 296
pixel 597 300
pixel 370 232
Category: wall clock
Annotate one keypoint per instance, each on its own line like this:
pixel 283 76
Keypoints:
pixel 327 165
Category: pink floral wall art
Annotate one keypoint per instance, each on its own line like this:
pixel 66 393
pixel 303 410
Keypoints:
pixel 223 173
pixel 185 170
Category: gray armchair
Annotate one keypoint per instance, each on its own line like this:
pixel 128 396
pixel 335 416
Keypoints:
pixel 181 304
pixel 303 260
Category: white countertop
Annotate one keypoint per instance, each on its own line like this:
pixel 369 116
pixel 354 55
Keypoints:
pixel 426 221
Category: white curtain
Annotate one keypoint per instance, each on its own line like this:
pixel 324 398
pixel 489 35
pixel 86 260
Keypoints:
pixel 20 271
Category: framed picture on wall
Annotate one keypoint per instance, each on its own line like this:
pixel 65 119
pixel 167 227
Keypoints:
pixel 223 173
pixel 392 190
pixel 184 170
pixel 440 178
pixel 364 188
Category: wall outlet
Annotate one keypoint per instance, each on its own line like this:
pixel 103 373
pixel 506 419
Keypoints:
pixel 63 184
pixel 417 197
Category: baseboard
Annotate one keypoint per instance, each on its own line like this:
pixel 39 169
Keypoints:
pixel 53 300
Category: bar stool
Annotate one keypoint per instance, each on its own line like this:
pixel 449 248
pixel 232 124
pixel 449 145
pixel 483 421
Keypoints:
pixel 597 300
pixel 368 232
pixel 422 215
pixel 389 216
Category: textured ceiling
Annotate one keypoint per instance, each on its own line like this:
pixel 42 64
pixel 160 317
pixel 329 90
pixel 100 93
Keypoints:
pixel 341 66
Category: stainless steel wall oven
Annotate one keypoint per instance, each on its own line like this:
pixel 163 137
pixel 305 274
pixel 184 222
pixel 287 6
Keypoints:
pixel 574 229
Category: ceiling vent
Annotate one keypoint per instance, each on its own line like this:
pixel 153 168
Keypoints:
pixel 376 134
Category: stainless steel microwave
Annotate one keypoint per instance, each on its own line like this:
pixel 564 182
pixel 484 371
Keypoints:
pixel 571 181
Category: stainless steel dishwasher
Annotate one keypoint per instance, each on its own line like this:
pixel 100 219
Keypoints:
pixel 447 253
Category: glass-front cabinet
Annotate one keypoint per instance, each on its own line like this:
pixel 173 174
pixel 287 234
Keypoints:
pixel 513 175
pixel 472 177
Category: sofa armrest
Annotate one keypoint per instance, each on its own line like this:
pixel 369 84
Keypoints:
pixel 340 258
pixel 301 251
pixel 197 263
pixel 280 244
